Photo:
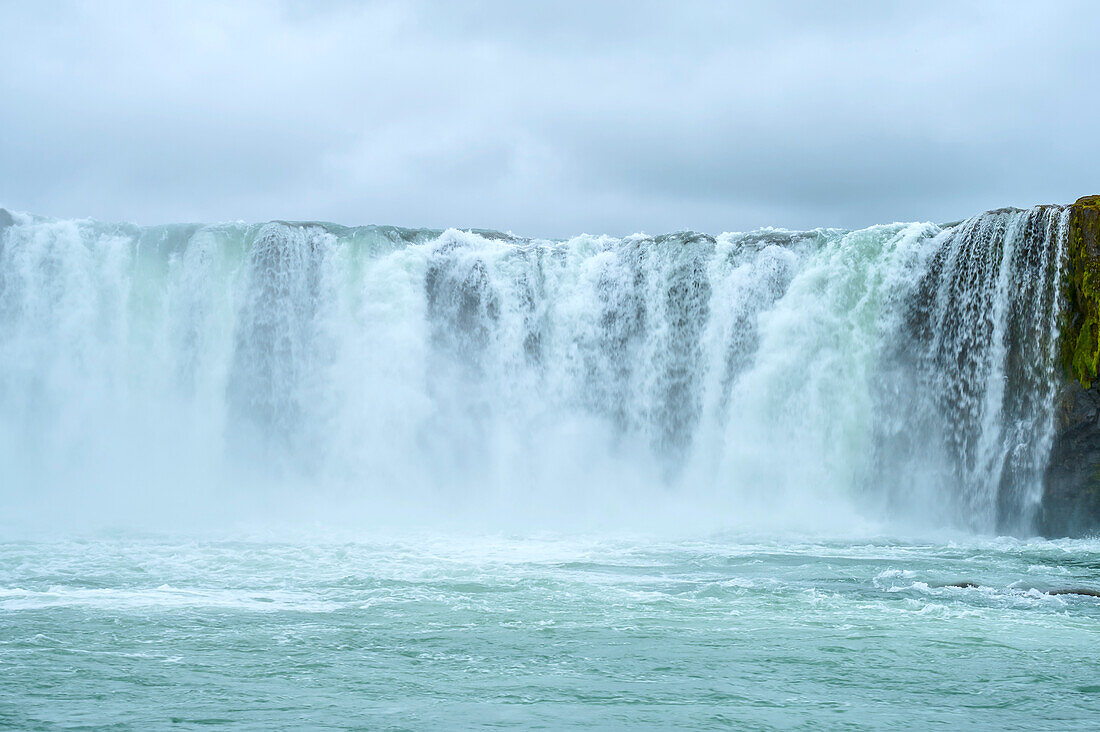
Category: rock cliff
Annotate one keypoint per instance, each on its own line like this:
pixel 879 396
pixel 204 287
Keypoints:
pixel 1071 501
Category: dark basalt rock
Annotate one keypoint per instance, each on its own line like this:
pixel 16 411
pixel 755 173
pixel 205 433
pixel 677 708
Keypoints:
pixel 1071 499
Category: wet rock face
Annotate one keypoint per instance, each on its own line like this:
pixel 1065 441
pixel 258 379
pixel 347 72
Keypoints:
pixel 1071 502
pixel 1071 499
pixel 1081 328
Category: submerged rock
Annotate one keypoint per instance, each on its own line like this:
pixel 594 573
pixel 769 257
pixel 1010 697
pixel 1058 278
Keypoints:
pixel 968 585
pixel 1082 591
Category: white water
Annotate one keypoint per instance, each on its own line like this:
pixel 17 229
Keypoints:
pixel 799 379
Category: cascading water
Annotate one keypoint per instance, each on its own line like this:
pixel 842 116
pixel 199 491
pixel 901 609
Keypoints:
pixel 908 367
pixel 976 371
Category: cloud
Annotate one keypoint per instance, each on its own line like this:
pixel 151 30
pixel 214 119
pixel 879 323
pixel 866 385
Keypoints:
pixel 546 118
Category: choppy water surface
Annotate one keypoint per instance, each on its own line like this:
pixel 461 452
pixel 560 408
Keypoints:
pixel 459 631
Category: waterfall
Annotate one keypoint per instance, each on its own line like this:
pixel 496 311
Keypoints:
pixel 907 370
pixel 975 375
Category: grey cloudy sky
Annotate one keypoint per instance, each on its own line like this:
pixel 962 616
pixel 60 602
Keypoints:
pixel 547 118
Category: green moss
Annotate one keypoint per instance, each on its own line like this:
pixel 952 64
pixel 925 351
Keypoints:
pixel 1081 325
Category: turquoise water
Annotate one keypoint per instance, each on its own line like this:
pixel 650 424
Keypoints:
pixel 457 631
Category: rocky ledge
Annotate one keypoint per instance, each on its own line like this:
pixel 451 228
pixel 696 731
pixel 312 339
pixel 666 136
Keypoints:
pixel 1071 499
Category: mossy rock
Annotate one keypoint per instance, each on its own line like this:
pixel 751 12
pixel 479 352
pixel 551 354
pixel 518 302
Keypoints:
pixel 1081 327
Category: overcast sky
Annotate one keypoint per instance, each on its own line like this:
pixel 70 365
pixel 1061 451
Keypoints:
pixel 547 118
